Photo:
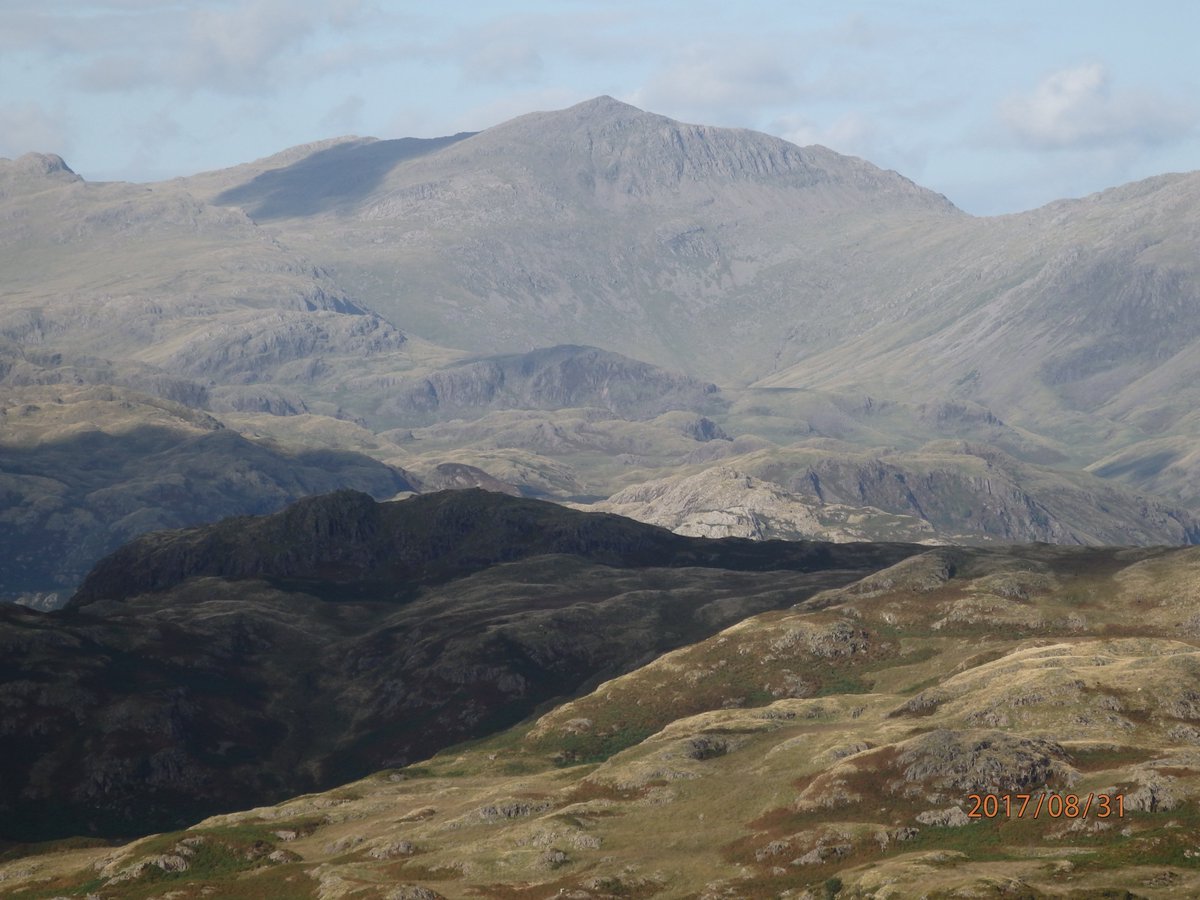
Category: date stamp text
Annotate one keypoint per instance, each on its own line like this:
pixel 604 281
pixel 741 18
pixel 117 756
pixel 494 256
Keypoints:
pixel 1051 805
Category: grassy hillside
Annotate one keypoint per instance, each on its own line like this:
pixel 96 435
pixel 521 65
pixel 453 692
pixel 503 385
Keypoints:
pixel 830 749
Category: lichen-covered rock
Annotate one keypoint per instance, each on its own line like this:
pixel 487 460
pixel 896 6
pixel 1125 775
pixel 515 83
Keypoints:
pixel 412 892
pixel 511 809
pixel 392 849
pixel 951 817
pixel 966 762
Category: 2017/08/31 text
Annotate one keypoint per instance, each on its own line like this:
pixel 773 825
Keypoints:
pixel 1051 805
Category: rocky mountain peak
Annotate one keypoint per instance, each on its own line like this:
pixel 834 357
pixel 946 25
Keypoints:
pixel 43 164
pixel 36 168
pixel 604 105
pixel 610 144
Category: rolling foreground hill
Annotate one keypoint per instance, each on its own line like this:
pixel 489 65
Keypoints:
pixel 195 671
pixel 844 746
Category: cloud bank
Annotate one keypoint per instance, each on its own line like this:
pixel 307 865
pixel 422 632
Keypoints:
pixel 1077 108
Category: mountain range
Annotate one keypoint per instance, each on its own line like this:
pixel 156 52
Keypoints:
pixel 319 487
pixel 529 300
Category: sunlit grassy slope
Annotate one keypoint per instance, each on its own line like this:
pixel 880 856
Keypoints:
pixel 829 750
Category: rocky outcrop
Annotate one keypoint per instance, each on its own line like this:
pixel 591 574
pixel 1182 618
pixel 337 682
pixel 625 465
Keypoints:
pixel 35 171
pixel 955 763
pixel 554 378
pixel 968 491
pixel 458 476
pixel 284 344
pixel 724 502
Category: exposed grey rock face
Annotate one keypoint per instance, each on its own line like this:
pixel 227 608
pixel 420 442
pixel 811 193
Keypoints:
pixel 955 763
pixel 28 367
pixel 1088 312
pixel 969 492
pixel 33 171
pixel 253 346
pixel 724 502
pixel 950 817
pixel 258 398
pixel 457 476
pixel 41 601
pixel 553 378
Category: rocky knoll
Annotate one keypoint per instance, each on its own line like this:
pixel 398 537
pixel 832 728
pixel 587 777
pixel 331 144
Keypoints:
pixel 201 670
pixel 723 502
pixel 391 549
pixel 971 493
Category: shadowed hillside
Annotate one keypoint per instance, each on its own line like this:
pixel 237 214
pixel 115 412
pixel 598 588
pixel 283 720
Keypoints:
pixel 338 175
pixel 248 661
pixel 83 470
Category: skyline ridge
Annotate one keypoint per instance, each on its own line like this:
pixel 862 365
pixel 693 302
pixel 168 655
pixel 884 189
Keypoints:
pixel 599 102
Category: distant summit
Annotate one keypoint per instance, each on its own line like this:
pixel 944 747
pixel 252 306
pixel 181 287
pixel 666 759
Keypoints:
pixel 600 224
pixel 35 168
pixel 602 263
pixel 613 147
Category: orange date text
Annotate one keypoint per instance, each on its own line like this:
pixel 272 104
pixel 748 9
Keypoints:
pixel 1049 805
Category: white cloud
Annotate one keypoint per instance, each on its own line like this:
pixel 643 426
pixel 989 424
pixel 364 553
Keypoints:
pixel 234 49
pixel 732 83
pixel 1078 108
pixel 851 132
pixel 228 47
pixel 114 72
pixel 503 50
pixel 65 32
pixel 855 133
pixel 29 127
pixel 345 117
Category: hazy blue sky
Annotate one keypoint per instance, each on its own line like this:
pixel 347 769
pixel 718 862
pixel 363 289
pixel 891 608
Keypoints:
pixel 1000 106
